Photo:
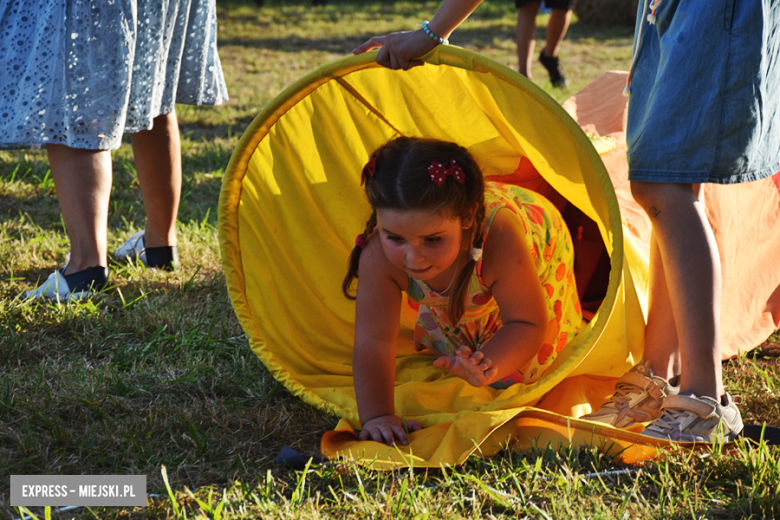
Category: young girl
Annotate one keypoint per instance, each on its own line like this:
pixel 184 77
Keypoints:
pixel 489 264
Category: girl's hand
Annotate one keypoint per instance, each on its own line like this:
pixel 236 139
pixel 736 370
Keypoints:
pixel 472 367
pixel 399 50
pixel 388 429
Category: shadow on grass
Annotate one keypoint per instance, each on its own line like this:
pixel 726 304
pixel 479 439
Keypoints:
pixel 204 131
pixel 32 276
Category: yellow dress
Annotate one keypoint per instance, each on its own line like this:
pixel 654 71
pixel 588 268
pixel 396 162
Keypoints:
pixel 552 252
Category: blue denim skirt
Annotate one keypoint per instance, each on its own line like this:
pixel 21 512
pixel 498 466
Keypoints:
pixel 705 92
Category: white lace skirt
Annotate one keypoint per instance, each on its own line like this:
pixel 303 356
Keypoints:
pixel 82 72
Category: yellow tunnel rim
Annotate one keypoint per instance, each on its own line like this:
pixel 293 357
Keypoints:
pixel 299 90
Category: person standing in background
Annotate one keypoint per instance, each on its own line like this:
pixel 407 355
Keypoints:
pixel 77 74
pixel 557 26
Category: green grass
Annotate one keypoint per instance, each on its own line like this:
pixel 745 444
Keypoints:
pixel 157 372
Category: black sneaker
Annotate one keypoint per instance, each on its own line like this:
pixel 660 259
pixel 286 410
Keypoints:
pixel 553 67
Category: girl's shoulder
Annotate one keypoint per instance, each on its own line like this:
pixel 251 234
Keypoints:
pixel 374 264
pixel 514 219
pixel 534 211
pixel 509 202
pixel 507 236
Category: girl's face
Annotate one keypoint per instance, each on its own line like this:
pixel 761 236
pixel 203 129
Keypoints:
pixel 421 243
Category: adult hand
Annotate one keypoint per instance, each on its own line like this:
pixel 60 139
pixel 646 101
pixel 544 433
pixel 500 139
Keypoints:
pixel 399 50
pixel 472 367
pixel 388 429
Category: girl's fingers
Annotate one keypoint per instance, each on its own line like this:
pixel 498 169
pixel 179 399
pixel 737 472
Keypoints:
pixel 395 62
pixel 463 352
pixel 373 43
pixel 408 65
pixel 476 357
pixel 413 426
pixel 486 363
pixel 383 57
pixel 373 433
pixel 386 435
pixel 400 434
pixel 442 362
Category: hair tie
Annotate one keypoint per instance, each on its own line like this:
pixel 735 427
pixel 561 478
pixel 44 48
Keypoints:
pixel 360 240
pixel 476 253
pixel 368 170
pixel 439 173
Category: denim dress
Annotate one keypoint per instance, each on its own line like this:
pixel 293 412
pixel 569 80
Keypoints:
pixel 704 100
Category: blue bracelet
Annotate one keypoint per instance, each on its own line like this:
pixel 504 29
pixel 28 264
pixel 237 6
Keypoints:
pixel 430 33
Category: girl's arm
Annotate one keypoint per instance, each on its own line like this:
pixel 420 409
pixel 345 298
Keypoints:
pixel 509 271
pixel 377 316
pixel 400 50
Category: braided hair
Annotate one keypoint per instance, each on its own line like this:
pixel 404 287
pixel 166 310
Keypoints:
pixel 401 181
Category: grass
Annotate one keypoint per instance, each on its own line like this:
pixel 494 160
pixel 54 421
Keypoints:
pixel 157 372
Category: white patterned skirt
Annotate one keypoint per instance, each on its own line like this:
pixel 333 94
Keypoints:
pixel 82 72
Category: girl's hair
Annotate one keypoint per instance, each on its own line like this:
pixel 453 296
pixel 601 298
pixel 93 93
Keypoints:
pixel 401 181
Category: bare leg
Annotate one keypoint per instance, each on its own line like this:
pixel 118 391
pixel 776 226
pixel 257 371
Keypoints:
pixel 662 348
pixel 157 155
pixel 691 265
pixel 526 34
pixel 556 31
pixel 83 182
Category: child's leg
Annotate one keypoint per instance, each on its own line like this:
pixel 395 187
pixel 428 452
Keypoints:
pixel 556 30
pixel 691 266
pixel 83 182
pixel 157 155
pixel 662 348
pixel 526 33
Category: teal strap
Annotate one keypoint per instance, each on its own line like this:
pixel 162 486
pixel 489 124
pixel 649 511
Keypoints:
pixel 433 35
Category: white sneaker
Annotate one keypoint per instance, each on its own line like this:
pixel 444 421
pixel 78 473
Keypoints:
pixel 689 418
pixel 56 288
pixel 639 396
pixel 133 248
pixel 163 257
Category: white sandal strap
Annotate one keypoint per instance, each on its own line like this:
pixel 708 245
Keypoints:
pixel 696 405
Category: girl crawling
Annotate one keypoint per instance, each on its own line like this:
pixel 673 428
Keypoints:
pixel 490 265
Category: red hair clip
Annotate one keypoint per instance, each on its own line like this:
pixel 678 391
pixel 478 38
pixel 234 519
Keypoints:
pixel 439 173
pixel 368 170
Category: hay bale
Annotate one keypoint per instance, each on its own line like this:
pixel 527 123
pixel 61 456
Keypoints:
pixel 607 12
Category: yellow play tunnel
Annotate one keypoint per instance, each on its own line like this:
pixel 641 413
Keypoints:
pixel 291 205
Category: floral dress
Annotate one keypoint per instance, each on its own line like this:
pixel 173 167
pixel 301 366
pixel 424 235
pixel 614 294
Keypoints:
pixel 552 252
pixel 82 72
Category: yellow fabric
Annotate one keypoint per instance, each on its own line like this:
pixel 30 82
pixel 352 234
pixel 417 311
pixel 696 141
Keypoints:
pixel 291 206
pixel 486 433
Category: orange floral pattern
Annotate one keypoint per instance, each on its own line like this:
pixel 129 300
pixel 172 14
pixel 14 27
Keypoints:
pixel 546 233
